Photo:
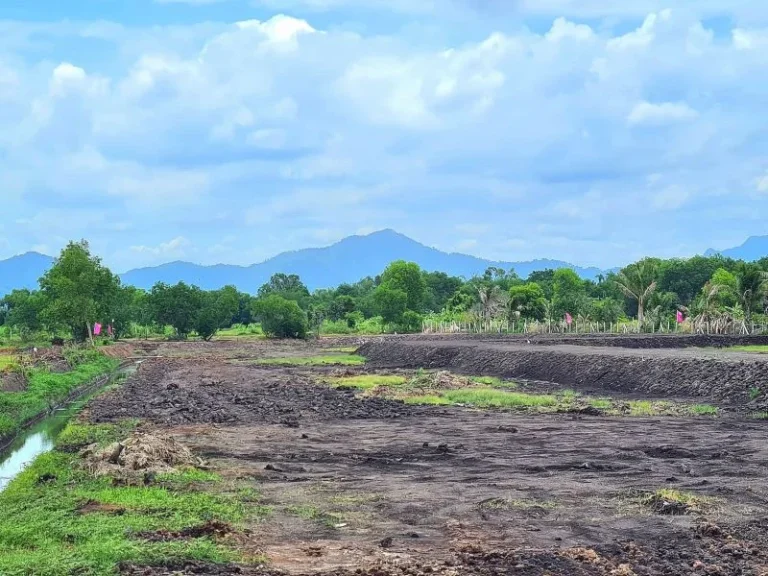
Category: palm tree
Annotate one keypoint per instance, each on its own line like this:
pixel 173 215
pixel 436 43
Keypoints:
pixel 638 282
pixel 493 300
pixel 751 288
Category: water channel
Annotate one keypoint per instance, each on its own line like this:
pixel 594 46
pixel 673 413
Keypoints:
pixel 41 437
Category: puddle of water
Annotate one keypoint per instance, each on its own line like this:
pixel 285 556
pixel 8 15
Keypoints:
pixel 42 437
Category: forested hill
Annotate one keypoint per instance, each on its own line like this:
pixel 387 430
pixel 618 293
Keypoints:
pixel 347 261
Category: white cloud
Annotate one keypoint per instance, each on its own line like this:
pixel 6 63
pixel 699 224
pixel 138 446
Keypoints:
pixel 309 127
pixel 173 247
pixel 659 114
pixel 563 29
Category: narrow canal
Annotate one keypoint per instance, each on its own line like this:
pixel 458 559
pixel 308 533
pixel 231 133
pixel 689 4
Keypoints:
pixel 41 437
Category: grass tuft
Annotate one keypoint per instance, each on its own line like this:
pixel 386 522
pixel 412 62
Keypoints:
pixel 704 410
pixel 368 381
pixel 326 360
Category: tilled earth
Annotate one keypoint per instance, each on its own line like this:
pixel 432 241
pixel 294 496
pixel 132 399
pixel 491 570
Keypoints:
pixel 736 377
pixel 377 487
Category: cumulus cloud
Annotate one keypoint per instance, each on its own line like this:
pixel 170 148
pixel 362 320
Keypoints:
pixel 305 128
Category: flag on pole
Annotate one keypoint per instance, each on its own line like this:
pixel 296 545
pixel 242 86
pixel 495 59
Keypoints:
pixel 680 318
pixel 96 329
pixel 568 319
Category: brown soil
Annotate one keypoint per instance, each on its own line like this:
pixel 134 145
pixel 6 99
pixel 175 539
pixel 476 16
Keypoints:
pixel 212 529
pixel 184 391
pixel 645 341
pixel 714 374
pixel 12 382
pixel 389 489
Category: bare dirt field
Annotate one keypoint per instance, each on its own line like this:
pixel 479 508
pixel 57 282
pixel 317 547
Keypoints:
pixel 362 484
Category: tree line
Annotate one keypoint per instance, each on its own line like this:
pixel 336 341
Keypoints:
pixel 79 291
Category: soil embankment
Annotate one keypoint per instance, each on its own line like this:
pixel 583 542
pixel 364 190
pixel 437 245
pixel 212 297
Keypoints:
pixel 726 376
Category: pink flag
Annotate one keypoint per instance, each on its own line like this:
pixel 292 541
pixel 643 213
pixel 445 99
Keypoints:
pixel 680 318
pixel 96 329
pixel 568 319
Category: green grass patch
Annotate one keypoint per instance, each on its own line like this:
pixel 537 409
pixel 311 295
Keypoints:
pixel 703 410
pixel 51 533
pixel 601 403
pixel 343 349
pixel 427 399
pixel 368 381
pixel 46 389
pixel 8 362
pixel 77 435
pixel 324 360
pixel 759 415
pixel 486 398
pixel 755 349
pixel 642 408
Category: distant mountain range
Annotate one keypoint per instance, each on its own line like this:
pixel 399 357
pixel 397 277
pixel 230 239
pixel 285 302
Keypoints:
pixel 349 260
pixel 754 248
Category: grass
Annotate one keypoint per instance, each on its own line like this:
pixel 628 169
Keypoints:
pixel 601 403
pixel 509 504
pixel 642 408
pixel 369 381
pixel 759 415
pixel 755 348
pixel 78 435
pixel 427 399
pixel 703 410
pixel 314 514
pixel 487 398
pixel 8 362
pixel 50 536
pixel 46 389
pixel 493 382
pixel 324 360
pixel 681 502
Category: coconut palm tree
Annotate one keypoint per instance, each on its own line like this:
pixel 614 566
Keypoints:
pixel 751 288
pixel 638 282
pixel 493 301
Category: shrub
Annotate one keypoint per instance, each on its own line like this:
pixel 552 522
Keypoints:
pixel 281 318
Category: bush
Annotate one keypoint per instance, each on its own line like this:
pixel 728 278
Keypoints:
pixel 412 322
pixel 281 318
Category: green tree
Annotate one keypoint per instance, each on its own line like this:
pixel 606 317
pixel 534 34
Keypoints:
pixel 289 286
pixel 686 277
pixel 546 280
pixel 23 311
pixel 439 289
pixel 568 293
pixel 638 282
pixel 177 306
pixel 391 303
pixel 528 301
pixel 78 290
pixel 340 307
pixel 280 317
pixel 406 277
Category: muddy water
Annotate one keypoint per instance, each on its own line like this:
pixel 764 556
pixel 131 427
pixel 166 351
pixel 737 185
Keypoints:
pixel 41 437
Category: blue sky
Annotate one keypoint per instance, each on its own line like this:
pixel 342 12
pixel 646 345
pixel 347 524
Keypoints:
pixel 226 131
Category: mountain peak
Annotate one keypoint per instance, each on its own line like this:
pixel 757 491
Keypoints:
pixel 753 248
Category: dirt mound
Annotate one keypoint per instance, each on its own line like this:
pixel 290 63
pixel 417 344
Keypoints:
pixel 658 372
pixel 139 453
pixel 121 350
pixel 179 392
pixel 440 380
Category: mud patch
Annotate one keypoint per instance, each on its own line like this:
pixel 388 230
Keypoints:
pixel 212 529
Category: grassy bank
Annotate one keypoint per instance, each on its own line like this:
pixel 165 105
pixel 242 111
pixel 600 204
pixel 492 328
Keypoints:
pixel 66 521
pixel 46 389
